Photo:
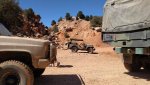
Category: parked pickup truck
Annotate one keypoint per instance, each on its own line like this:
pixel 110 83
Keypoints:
pixel 126 26
pixel 22 59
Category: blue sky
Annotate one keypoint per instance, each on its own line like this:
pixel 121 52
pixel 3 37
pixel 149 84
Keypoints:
pixel 53 9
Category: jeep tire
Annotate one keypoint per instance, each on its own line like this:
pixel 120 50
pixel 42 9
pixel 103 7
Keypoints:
pixel 90 50
pixel 74 49
pixel 15 73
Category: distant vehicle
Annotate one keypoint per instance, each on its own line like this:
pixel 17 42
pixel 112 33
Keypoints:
pixel 126 26
pixel 78 44
pixel 22 59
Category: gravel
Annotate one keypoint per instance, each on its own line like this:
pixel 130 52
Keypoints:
pixel 102 68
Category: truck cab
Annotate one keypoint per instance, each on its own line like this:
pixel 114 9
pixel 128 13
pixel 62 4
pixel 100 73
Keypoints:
pixel 22 59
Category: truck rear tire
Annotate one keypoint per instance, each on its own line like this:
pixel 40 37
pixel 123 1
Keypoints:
pixel 132 67
pixel 38 72
pixel 15 73
pixel 147 67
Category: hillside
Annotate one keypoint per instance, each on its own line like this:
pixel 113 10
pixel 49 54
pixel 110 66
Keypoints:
pixel 79 29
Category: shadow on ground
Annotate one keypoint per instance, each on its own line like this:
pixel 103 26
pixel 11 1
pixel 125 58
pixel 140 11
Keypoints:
pixel 65 66
pixel 142 74
pixel 59 80
pixel 88 53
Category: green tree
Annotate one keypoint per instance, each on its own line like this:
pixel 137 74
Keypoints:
pixel 87 18
pixel 10 14
pixel 91 17
pixel 60 19
pixel 39 17
pixel 68 16
pixel 96 21
pixel 80 15
pixel 54 29
pixel 29 13
pixel 53 22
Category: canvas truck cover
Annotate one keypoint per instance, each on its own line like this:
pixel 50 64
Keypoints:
pixel 126 15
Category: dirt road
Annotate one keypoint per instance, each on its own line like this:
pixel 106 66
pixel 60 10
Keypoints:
pixel 102 68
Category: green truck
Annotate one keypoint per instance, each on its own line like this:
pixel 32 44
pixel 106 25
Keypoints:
pixel 126 26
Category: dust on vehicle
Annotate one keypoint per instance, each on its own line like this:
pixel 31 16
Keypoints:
pixel 23 59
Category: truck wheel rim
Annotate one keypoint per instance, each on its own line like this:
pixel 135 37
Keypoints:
pixel 11 79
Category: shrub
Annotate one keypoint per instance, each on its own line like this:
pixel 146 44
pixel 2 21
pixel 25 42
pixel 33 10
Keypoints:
pixel 68 16
pixel 53 22
pixel 91 17
pixel 55 28
pixel 66 35
pixel 60 19
pixel 80 15
pixel 96 21
pixel 10 14
pixel 87 18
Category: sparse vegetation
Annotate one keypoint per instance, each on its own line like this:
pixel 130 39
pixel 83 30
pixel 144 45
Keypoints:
pixel 96 21
pixel 53 22
pixel 10 14
pixel 60 19
pixel 68 16
pixel 80 15
pixel 27 22
pixel 54 29
pixel 16 20
pixel 91 17
pixel 66 35
pixel 29 13
pixel 32 24
pixel 87 18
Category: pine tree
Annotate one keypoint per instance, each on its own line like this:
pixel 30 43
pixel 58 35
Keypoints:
pixel 80 15
pixel 29 13
pixel 91 17
pixel 53 22
pixel 96 21
pixel 87 18
pixel 10 14
pixel 60 19
pixel 68 16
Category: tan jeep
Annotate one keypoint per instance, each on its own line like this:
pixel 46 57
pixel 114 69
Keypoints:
pixel 21 59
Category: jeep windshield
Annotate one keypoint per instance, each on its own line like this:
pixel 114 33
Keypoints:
pixel 4 31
